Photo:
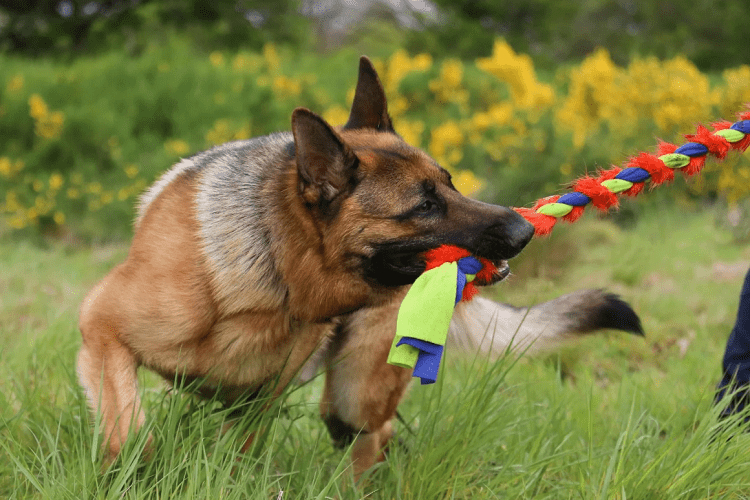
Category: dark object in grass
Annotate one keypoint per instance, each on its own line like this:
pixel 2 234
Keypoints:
pixel 736 363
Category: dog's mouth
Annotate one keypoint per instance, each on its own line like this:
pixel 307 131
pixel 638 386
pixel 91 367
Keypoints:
pixel 502 271
pixel 399 264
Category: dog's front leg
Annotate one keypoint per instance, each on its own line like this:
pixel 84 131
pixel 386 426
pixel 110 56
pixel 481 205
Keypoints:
pixel 362 391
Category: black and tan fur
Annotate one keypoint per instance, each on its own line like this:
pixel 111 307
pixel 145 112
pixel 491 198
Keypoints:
pixel 248 257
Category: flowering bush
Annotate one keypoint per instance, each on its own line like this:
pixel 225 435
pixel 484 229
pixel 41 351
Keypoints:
pixel 78 143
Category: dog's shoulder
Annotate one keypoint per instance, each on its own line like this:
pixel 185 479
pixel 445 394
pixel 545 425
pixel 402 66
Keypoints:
pixel 233 214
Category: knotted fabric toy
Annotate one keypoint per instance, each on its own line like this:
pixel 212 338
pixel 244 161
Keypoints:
pixel 425 313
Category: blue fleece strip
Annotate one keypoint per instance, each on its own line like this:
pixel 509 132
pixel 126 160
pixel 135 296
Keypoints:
pixel 469 265
pixel 742 125
pixel 633 174
pixel 692 149
pixel 428 361
pixel 574 199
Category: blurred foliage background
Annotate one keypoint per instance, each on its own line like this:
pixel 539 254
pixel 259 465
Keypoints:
pixel 97 98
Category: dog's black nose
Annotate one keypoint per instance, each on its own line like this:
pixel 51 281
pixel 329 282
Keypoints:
pixel 506 237
pixel 520 233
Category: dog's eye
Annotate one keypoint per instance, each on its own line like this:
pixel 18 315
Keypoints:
pixel 426 207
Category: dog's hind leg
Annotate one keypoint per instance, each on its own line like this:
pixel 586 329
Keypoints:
pixel 361 390
pixel 108 372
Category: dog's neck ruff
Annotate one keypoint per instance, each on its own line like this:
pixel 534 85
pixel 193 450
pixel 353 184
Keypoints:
pixel 425 313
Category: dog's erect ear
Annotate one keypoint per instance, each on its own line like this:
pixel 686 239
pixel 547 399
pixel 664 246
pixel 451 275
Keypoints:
pixel 369 109
pixel 326 165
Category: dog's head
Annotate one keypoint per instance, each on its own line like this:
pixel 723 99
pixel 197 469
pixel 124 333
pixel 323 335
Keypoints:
pixel 380 203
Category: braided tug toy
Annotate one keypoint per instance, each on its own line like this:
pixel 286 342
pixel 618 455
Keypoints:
pixel 425 313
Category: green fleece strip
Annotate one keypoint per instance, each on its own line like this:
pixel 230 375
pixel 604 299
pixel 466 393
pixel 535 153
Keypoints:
pixel 555 209
pixel 675 160
pixel 730 135
pixel 425 313
pixel 617 185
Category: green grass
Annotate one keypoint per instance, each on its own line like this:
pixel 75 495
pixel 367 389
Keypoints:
pixel 614 416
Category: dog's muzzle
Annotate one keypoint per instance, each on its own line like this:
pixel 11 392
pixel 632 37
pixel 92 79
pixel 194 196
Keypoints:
pixel 505 239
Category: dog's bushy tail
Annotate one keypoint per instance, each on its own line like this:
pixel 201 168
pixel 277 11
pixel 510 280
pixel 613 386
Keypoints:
pixel 492 327
pixel 487 326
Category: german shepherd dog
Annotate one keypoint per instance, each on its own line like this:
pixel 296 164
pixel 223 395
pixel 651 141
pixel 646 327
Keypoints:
pixel 250 257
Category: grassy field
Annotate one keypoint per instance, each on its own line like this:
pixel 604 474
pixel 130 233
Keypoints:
pixel 614 416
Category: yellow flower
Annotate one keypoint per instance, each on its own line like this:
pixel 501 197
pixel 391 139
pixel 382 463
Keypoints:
pixel 683 97
pixel 73 193
pixel 5 166
pixel 38 108
pixel 220 133
pixel 398 106
pixel 244 62
pixel 216 58
pixel 591 92
pixel 501 114
pixel 286 87
pixel 17 222
pixel 176 147
pixel 43 206
pixel 94 188
pixel 56 181
pixel 411 131
pixel 467 183
pixel 50 126
pixel 336 115
pixel 446 142
pixel 271 57
pixel 480 122
pixel 398 66
pixel 421 62
pixel 37 185
pixel 517 70
pixel 59 218
pixel 736 91
pixel 452 72
pixel 46 125
pixel 447 87
pixel 107 198
pixel 131 171
pixel 243 133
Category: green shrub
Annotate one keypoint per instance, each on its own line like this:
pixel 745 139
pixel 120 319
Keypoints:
pixel 80 141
